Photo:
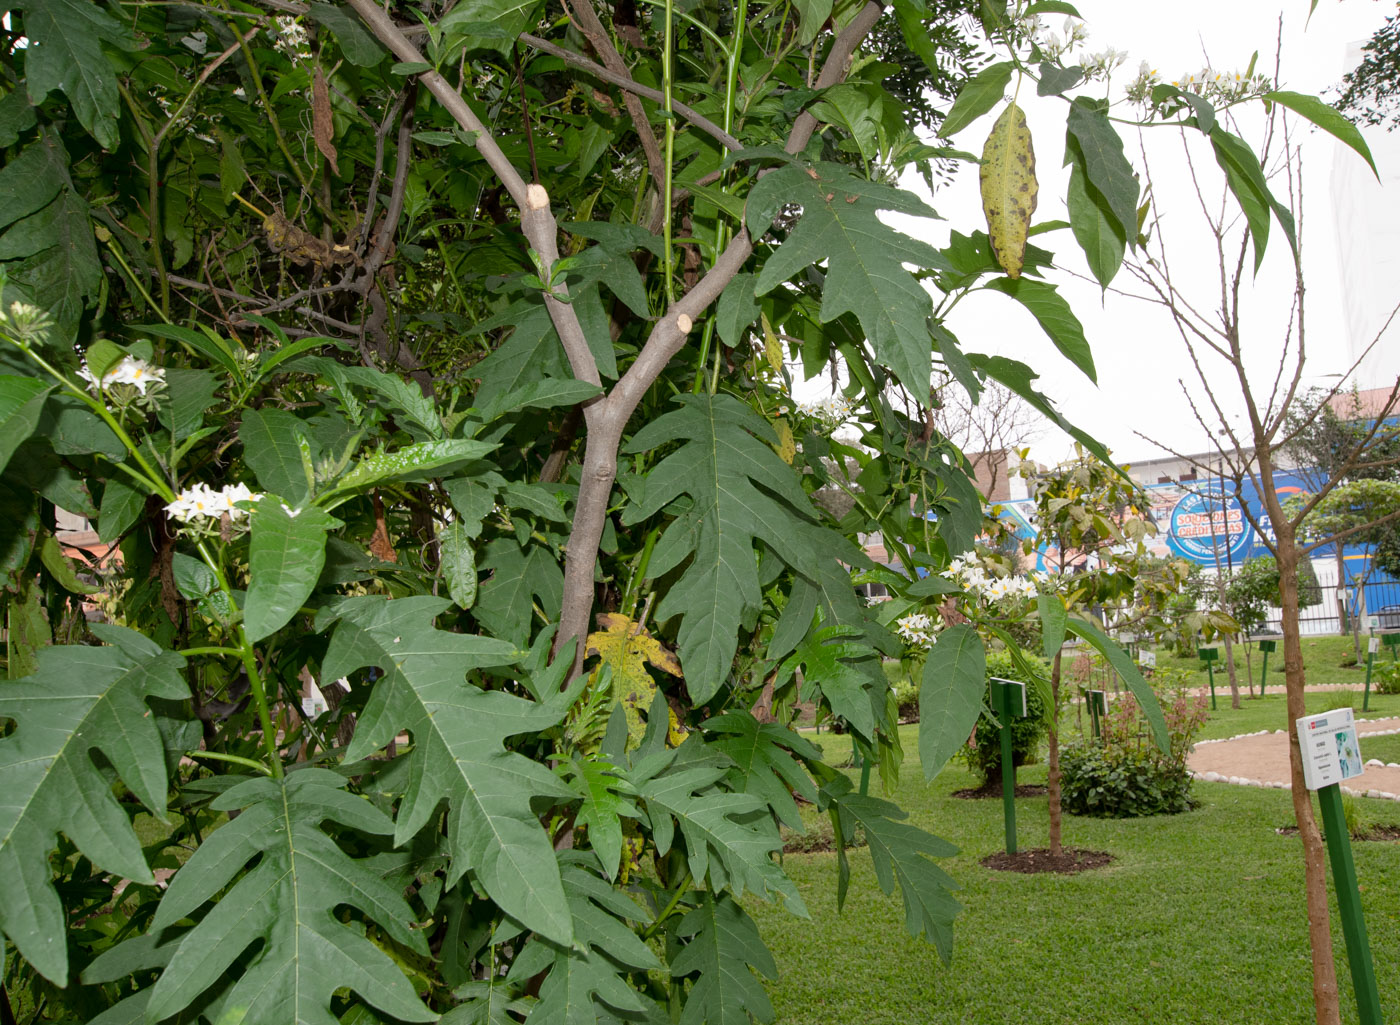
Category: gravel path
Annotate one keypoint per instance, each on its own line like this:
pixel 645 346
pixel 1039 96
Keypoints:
pixel 1261 760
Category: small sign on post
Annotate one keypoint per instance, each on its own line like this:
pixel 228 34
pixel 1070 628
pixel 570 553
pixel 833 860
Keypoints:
pixel 1148 659
pixel 1331 753
pixel 1208 656
pixel 1266 645
pixel 1008 702
pixel 1373 622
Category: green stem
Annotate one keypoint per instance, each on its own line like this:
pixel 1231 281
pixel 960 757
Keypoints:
pixel 188 652
pixel 136 282
pixel 670 906
pixel 152 142
pixel 247 763
pixel 639 573
pixel 667 71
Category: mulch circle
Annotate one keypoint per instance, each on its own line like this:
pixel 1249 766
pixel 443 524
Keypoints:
pixel 1073 861
pixel 987 791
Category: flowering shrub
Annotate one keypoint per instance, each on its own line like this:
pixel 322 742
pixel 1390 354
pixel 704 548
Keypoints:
pixel 1123 774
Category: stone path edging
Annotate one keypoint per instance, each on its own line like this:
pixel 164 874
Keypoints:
pixel 1387 774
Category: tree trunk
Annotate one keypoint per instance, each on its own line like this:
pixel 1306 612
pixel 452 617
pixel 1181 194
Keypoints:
pixel 1053 780
pixel 1230 670
pixel 1325 999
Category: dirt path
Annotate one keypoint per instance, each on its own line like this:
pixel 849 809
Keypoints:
pixel 1261 760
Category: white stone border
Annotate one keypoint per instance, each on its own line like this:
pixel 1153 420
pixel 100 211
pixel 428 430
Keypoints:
pixel 1245 781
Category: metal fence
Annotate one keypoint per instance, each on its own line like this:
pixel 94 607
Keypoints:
pixel 1339 605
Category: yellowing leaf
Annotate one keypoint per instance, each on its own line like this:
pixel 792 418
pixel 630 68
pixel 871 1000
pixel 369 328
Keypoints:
pixel 627 647
pixel 786 446
pixel 1009 187
pixel 772 348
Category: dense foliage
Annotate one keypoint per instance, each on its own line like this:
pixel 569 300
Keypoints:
pixel 425 376
pixel 1121 774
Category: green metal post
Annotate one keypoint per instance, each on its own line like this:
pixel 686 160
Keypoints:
pixel 1008 771
pixel 1264 673
pixel 1363 972
pixel 1210 672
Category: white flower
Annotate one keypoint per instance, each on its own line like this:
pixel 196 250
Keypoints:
pixel 915 628
pixel 127 370
pixel 200 502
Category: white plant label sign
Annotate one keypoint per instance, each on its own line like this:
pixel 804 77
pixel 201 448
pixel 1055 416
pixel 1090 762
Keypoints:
pixel 1331 749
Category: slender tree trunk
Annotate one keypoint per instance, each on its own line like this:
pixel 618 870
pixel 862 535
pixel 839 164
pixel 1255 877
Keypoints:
pixel 1230 670
pixel 1325 998
pixel 1053 780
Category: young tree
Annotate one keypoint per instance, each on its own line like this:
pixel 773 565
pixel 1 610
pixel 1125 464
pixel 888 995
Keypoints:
pixel 1268 189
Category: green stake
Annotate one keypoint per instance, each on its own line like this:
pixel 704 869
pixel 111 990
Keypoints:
pixel 1208 656
pixel 1363 972
pixel 1008 700
pixel 1265 647
pixel 1370 659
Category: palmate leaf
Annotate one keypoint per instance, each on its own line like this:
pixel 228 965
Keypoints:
pixel 626 648
pixel 840 226
pixel 726 456
pixel 82 699
pixel 725 949
pixel 605 802
pixel 724 841
pixel 288 902
pixel 841 668
pixel 458 752
pixel 900 853
pixel 764 765
pixel 585 980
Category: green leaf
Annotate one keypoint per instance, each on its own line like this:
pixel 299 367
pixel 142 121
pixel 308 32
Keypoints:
pixel 605 802
pixel 287 902
pixel 1200 106
pixel 212 348
pixel 1105 166
pixel 21 403
pixel 519 580
pixel 901 853
pixel 458 564
pixel 191 393
pixel 978 96
pixel 724 949
pixel 1096 230
pixel 1245 177
pixel 932 585
pixel 1054 80
pixel 814 14
pixel 742 492
pixel 272 440
pixel 1021 380
pixel 1054 315
pixel 487 24
pixel 285 556
pixel 422 461
pixel 864 257
pixel 71 428
pixel 950 696
pixel 617 271
pixel 30 181
pixel 584 985
pixel 530 353
pixel 1326 118
pixel 121 506
pixel 61 567
pixel 458 750
pixel 65 52
pixel 1053 616
pixel 1054 7
pixel 1127 670
pixel 356 42
pixel 16 117
pixel 57 262
pixel 27 630
pixel 762 753
pixel 724 841
pixel 81 700
pixel 838 668
pixel 545 394
pixel 737 309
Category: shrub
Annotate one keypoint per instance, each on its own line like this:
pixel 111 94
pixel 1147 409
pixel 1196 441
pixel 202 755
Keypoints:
pixel 1123 774
pixel 984 755
pixel 1386 678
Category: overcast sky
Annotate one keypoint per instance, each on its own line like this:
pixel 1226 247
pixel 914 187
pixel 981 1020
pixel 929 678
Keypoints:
pixel 1138 352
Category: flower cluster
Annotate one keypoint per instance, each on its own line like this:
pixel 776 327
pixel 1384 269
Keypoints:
pixel 291 37
pixel 1053 45
pixel 24 323
pixel 917 629
pixel 831 412
pixel 977 579
pixel 128 370
pixel 1223 87
pixel 1140 88
pixel 200 502
pixel 1101 65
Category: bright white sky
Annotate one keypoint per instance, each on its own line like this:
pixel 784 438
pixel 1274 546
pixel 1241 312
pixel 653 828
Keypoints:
pixel 1138 352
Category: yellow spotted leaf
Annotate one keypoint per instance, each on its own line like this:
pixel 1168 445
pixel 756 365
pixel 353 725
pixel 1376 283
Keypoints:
pixel 786 446
pixel 1009 187
pixel 772 348
pixel 627 647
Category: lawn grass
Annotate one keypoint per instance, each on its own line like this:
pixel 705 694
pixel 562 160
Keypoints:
pixel 1199 921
